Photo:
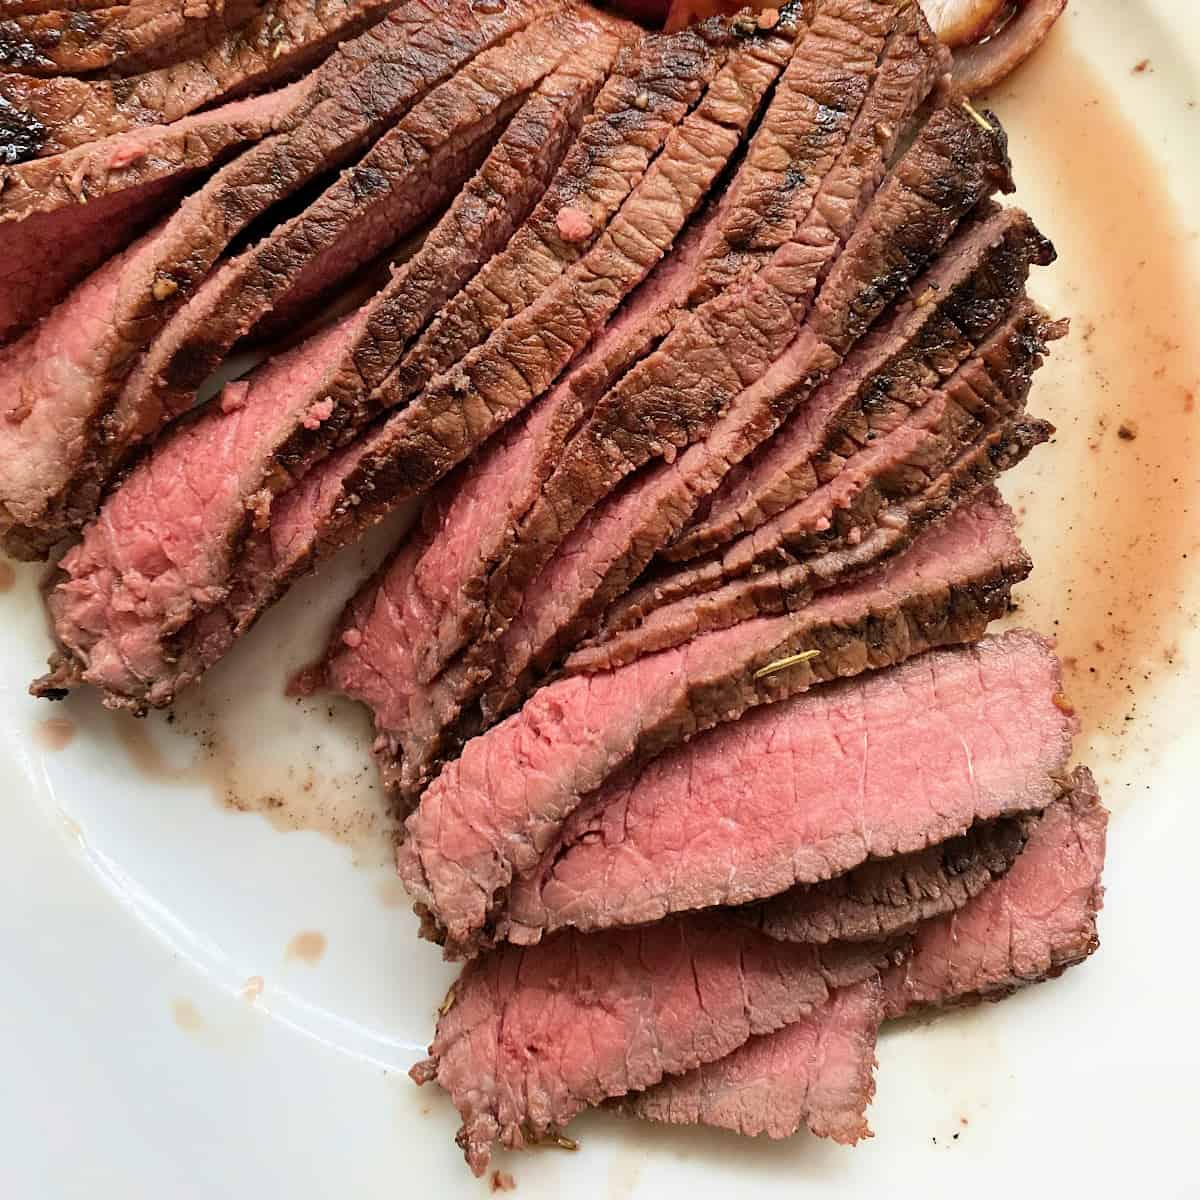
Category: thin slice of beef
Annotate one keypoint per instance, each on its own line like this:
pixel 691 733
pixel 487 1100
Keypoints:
pixel 798 122
pixel 235 447
pixel 818 1072
pixel 491 814
pixel 39 117
pixel 739 356
pixel 437 594
pixel 652 89
pixel 862 485
pixel 786 164
pixel 61 217
pixel 1029 926
pixel 362 482
pixel 983 268
pixel 59 446
pixel 412 172
pixel 806 790
pixel 603 556
pixel 891 896
pixel 644 626
pixel 120 40
pixel 529 1038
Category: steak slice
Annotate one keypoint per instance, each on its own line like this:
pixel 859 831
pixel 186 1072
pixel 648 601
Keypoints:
pixel 783 173
pixel 891 896
pixel 1029 926
pixel 714 360
pixel 236 447
pixel 522 358
pixel 817 1072
pixel 800 120
pixel 866 485
pixel 806 790
pixel 40 117
pixel 603 556
pixel 652 90
pixel 60 445
pixel 122 40
pixel 362 482
pixel 984 267
pixel 490 815
pixel 529 1038
pixel 411 173
pixel 61 217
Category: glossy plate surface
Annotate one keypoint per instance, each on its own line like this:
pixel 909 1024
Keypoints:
pixel 212 985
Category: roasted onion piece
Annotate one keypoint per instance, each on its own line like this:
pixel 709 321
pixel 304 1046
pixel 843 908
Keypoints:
pixel 981 66
pixel 961 22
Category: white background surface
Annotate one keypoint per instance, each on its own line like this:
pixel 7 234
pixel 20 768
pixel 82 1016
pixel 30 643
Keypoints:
pixel 135 904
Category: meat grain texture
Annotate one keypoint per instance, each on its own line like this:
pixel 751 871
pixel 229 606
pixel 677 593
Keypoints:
pixel 708 360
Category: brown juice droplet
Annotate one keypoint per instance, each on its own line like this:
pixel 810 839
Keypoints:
pixel 308 947
pixel 1111 528
pixel 186 1016
pixel 252 988
pixel 55 733
pixel 8 576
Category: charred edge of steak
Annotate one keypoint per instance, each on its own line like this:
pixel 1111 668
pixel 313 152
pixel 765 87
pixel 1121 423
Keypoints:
pixel 961 614
pixel 887 897
pixel 21 135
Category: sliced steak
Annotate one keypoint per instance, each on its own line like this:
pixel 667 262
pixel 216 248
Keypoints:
pixel 60 444
pixel 61 217
pixel 891 466
pixel 522 358
pixel 1029 926
pixel 801 121
pixel 438 593
pixel 410 174
pixel 643 626
pixel 121 40
pixel 806 790
pixel 490 815
pixel 714 360
pixel 603 556
pixel 817 1072
pixel 653 1002
pixel 39 117
pixel 652 90
pixel 803 133
pixel 236 447
pixel 892 896
pixel 362 482
pixel 983 268
pixel 859 488
pixel 832 80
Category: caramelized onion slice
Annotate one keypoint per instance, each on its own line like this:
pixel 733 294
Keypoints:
pixel 979 67
pixel 961 22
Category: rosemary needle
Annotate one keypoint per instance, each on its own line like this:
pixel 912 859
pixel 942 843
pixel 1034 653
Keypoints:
pixel 978 117
pixel 782 664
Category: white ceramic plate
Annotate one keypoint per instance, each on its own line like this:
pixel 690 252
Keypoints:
pixel 198 1001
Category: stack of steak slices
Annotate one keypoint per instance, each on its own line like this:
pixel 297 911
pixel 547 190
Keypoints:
pixel 709 354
